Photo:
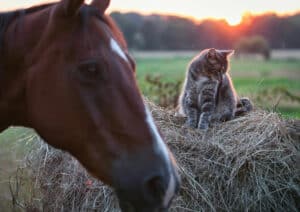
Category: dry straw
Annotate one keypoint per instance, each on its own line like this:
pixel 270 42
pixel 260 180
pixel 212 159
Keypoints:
pixel 248 164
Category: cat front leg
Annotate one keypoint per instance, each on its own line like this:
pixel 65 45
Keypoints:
pixel 192 117
pixel 204 122
pixel 206 115
pixel 191 110
pixel 227 115
pixel 227 111
pixel 207 104
pixel 227 100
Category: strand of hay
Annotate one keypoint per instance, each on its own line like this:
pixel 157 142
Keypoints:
pixel 248 164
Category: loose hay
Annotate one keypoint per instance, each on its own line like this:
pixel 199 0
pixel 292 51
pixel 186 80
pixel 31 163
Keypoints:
pixel 248 164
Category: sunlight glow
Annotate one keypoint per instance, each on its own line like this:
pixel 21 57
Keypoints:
pixel 230 10
pixel 233 20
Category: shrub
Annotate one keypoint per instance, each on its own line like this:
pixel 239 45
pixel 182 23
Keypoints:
pixel 253 45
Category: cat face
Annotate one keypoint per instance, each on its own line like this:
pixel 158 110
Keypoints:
pixel 217 62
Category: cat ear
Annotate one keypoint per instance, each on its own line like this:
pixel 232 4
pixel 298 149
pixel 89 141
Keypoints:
pixel 227 53
pixel 212 53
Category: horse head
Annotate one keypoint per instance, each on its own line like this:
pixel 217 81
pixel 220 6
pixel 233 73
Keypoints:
pixel 77 89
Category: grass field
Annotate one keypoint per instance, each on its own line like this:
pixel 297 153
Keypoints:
pixel 271 81
pixel 14 143
pixel 268 81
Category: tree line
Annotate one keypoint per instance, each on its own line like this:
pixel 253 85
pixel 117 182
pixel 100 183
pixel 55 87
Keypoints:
pixel 160 32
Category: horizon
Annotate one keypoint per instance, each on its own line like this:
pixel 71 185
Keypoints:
pixel 245 15
pixel 232 11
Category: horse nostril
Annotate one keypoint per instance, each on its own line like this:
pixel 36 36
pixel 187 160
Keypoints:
pixel 155 188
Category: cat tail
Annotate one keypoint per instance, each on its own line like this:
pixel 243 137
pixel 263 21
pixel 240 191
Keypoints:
pixel 244 105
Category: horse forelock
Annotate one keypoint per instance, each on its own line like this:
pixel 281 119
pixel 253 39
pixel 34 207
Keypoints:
pixel 115 30
pixel 6 18
pixel 115 37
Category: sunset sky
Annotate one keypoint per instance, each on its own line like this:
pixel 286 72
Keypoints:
pixel 231 10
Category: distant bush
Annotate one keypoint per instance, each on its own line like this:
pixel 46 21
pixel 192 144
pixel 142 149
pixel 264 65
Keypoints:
pixel 164 94
pixel 253 45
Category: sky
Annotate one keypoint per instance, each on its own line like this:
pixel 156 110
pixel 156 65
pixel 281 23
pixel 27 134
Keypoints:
pixel 231 10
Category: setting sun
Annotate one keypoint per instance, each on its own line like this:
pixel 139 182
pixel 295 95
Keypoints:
pixel 231 10
pixel 233 20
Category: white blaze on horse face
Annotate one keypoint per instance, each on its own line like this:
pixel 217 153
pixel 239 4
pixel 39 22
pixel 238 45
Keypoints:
pixel 117 49
pixel 170 192
pixel 162 148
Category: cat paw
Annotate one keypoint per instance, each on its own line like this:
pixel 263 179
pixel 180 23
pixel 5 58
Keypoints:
pixel 226 117
pixel 215 118
pixel 203 126
pixel 190 124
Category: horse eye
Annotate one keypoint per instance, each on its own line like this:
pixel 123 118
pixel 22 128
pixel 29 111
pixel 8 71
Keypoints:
pixel 89 72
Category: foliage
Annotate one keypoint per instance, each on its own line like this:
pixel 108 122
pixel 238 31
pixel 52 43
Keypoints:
pixel 165 94
pixel 156 32
pixel 254 44
pixel 282 93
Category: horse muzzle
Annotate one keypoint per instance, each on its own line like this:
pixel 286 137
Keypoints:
pixel 147 186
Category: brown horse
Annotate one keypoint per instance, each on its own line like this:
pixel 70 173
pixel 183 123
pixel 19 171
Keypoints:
pixel 65 71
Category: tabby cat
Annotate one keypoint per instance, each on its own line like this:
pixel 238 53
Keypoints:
pixel 208 94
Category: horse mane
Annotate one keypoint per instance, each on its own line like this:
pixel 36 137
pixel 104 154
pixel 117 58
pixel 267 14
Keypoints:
pixel 7 17
pixel 5 20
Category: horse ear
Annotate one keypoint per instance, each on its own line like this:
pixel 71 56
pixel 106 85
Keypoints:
pixel 102 5
pixel 70 7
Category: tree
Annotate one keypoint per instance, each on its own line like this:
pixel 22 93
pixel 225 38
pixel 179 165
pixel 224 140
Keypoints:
pixel 252 45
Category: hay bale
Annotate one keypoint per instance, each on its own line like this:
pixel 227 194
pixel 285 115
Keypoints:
pixel 248 164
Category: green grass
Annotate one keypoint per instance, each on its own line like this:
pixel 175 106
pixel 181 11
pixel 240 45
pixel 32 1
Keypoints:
pixel 290 112
pixel 14 143
pixel 174 68
pixel 169 69
pixel 251 77
pixel 254 86
pixel 265 66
